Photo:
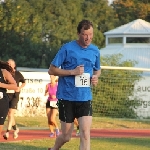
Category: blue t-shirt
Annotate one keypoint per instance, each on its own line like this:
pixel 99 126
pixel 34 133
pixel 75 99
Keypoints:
pixel 69 57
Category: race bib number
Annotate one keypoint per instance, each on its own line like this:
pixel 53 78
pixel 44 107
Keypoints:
pixel 82 80
pixel 53 104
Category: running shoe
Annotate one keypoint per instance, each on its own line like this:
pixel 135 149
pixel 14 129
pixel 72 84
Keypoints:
pixel 57 132
pixel 52 134
pixel 16 133
pixel 6 135
pixel 77 132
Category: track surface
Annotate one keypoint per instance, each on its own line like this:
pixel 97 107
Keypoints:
pixel 100 133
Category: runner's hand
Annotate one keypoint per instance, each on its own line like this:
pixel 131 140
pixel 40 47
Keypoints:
pixel 94 80
pixel 18 90
pixel 78 70
pixel 53 96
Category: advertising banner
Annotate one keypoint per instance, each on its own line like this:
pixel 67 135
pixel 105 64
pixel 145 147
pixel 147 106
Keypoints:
pixel 142 94
pixel 32 100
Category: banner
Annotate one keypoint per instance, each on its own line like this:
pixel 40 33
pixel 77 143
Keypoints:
pixel 142 94
pixel 32 100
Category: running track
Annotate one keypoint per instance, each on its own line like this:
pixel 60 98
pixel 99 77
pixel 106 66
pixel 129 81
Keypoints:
pixel 100 133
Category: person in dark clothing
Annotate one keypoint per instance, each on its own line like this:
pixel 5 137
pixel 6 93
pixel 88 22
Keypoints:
pixel 14 98
pixel 6 82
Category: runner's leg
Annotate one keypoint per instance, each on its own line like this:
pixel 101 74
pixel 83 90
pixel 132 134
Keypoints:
pixel 67 129
pixel 85 125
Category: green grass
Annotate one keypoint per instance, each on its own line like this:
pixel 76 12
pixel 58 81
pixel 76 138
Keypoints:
pixel 98 123
pixel 115 123
pixel 96 143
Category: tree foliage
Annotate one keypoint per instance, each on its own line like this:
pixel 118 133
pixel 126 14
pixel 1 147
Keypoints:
pixel 32 31
pixel 129 10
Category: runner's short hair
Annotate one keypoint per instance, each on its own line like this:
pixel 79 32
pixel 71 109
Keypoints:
pixel 85 24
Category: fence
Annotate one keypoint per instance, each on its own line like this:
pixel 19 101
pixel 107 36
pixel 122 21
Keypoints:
pixel 122 92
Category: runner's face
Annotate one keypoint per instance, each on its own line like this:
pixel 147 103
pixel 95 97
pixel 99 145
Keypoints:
pixel 53 78
pixel 12 63
pixel 85 37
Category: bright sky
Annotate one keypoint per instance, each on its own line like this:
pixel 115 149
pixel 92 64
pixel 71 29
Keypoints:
pixel 110 1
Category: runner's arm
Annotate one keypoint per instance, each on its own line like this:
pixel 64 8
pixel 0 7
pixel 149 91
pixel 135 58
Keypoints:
pixel 53 70
pixel 12 85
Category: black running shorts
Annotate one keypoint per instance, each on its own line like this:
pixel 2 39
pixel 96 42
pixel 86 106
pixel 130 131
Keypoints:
pixel 14 98
pixel 4 106
pixel 69 110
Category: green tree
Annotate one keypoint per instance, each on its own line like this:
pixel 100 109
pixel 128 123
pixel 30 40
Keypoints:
pixel 32 31
pixel 129 10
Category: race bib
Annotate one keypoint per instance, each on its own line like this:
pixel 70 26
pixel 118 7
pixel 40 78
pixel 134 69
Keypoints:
pixel 53 104
pixel 82 80
pixel 1 95
pixel 10 91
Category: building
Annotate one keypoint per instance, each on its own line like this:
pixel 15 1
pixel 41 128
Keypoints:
pixel 125 40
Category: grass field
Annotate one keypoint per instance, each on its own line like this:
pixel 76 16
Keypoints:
pixel 98 123
pixel 96 143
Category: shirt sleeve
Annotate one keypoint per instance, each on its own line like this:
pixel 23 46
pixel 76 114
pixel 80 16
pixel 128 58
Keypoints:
pixel 60 57
pixel 97 62
pixel 21 78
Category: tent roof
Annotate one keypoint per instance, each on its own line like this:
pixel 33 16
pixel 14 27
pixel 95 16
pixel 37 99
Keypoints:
pixel 138 26
pixel 138 54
